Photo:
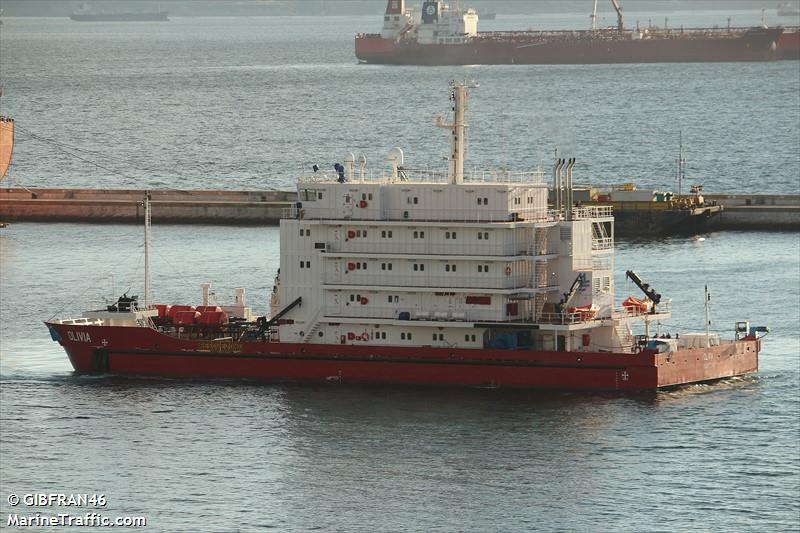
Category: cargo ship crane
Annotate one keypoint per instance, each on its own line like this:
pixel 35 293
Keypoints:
pixel 645 287
pixel 618 9
pixel 570 294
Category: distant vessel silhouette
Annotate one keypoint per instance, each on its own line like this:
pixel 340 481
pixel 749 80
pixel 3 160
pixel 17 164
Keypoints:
pixel 86 14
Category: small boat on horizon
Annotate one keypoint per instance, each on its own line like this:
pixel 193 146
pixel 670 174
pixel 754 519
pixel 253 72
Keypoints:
pixel 86 14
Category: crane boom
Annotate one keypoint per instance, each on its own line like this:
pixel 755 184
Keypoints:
pixel 645 287
pixel 570 294
pixel 618 9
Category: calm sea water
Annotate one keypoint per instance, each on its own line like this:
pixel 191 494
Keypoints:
pixel 242 103
pixel 248 103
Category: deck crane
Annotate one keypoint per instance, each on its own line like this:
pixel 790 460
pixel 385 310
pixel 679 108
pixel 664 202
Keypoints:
pixel 570 294
pixel 618 9
pixel 645 287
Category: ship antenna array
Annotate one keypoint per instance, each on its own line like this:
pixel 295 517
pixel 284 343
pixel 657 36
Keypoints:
pixel 458 128
pixel 147 287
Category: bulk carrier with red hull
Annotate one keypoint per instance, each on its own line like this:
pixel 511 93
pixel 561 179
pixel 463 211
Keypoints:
pixel 421 277
pixel 439 35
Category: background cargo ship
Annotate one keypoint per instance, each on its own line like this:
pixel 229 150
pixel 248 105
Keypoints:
pixel 440 35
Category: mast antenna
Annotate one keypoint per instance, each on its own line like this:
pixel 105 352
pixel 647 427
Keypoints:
pixel 147 286
pixel 708 320
pixel 680 170
pixel 458 130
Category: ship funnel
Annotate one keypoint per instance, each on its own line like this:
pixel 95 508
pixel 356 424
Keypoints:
pixel 395 7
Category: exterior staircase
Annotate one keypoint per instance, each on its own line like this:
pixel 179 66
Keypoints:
pixel 624 335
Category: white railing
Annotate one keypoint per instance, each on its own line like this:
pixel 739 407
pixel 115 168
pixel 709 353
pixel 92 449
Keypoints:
pixel 476 214
pixel 393 313
pixel 566 318
pixel 592 211
pixel 424 175
pixel 432 248
pixel 605 243
pixel 518 281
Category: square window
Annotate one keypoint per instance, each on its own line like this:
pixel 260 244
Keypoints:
pixel 369 196
pixel 301 232
pixel 402 336
pixel 364 266
pixel 383 234
pixel 480 236
pixel 434 336
pixel 466 337
pixel 408 336
pixel 422 267
pixel 416 200
pixel 485 201
pixel 454 268
pixel 479 201
pixel 421 234
pixel 486 236
pixel 454 234
pixel 390 234
pixel 363 196
pixel 416 267
pixel 416 235
pixel 390 298
pixel 319 196
pixel 446 234
pixel 390 266
pixel 447 268
pixel 365 233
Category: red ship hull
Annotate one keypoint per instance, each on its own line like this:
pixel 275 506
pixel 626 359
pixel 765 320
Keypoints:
pixel 138 351
pixel 789 44
pixel 573 48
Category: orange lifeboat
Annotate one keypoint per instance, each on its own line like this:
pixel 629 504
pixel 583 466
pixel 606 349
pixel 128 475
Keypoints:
pixel 636 306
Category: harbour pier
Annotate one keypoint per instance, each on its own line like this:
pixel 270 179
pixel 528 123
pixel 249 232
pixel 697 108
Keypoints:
pixel 171 206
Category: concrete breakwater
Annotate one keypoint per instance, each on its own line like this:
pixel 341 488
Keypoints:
pixel 125 206
pixel 741 211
